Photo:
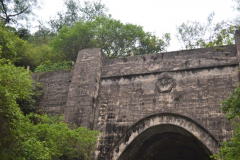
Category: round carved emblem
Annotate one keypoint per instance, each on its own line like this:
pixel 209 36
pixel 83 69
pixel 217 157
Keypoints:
pixel 164 85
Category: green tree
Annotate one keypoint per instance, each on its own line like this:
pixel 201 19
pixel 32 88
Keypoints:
pixel 115 38
pixel 194 34
pixel 41 51
pixel 48 139
pixel 231 107
pixel 13 48
pixel 20 51
pixel 23 33
pixel 76 12
pixel 92 9
pixel 11 11
pixel 42 36
pixel 35 136
pixel 15 84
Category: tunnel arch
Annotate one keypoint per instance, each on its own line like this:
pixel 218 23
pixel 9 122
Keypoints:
pixel 165 126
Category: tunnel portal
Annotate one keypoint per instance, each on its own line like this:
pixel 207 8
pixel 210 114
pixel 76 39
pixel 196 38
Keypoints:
pixel 166 142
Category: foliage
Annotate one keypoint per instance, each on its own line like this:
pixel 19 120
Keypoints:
pixel 237 5
pixel 12 46
pixel 195 34
pixel 231 107
pixel 0 50
pixel 49 138
pixel 93 9
pixel 42 36
pixel 23 33
pixel 11 11
pixel 230 150
pixel 20 51
pixel 48 66
pixel 115 38
pixel 75 12
pixel 15 84
pixel 35 136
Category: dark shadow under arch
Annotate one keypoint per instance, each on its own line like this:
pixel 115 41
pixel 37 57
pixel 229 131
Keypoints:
pixel 166 142
pixel 161 134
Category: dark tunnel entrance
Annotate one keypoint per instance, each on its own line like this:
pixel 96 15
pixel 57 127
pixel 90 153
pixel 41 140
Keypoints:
pixel 166 142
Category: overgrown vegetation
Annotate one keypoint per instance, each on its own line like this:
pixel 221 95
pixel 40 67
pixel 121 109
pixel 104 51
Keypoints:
pixel 230 150
pixel 48 66
pixel 34 136
pixel 194 34
pixel 25 135
pixel 115 38
pixel 48 139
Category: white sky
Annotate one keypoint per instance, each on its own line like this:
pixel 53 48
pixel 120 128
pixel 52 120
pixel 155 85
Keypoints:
pixel 158 16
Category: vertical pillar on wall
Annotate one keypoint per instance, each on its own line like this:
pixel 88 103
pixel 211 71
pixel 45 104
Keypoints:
pixel 84 88
pixel 237 43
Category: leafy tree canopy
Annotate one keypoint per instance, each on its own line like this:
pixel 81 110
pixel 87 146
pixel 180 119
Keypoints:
pixel 22 52
pixel 194 34
pixel 11 11
pixel 13 48
pixel 76 12
pixel 35 136
pixel 115 38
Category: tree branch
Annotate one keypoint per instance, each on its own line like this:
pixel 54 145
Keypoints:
pixel 18 13
pixel 4 9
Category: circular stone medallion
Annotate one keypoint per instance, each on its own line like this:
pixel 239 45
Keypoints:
pixel 164 85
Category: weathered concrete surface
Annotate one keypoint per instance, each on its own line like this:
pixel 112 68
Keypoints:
pixel 154 123
pixel 171 61
pixel 116 95
pixel 196 94
pixel 55 91
pixel 84 88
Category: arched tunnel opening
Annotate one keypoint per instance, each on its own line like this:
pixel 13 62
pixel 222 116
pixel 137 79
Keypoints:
pixel 166 142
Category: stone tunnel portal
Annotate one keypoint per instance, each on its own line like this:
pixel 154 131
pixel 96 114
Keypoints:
pixel 118 97
pixel 165 136
pixel 166 142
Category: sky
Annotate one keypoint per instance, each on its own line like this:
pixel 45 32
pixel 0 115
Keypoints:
pixel 157 16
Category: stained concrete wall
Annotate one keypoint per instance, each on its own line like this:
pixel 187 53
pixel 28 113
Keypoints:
pixel 196 83
pixel 84 88
pixel 55 91
pixel 147 138
pixel 170 61
pixel 111 95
